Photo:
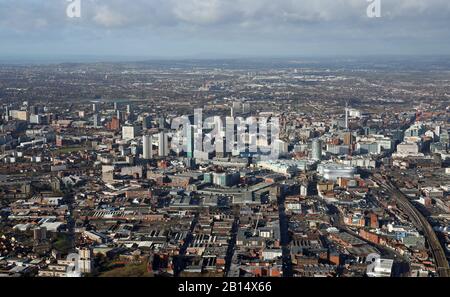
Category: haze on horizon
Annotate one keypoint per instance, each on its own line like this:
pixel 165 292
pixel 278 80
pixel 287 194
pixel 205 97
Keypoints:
pixel 203 28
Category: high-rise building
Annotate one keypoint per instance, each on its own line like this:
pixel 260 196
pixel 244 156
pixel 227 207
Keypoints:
pixel 162 123
pixel 146 122
pixel 246 108
pixel 316 150
pixel 7 114
pixel 348 138
pixel 346 116
pixel 147 147
pixel 190 139
pixel 129 109
pixel 97 122
pixel 129 132
pixel 33 109
pixel 163 143
pixel 94 107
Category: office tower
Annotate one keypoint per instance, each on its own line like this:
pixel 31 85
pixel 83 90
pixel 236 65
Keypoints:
pixel 348 138
pixel 220 147
pixel 437 131
pixel 94 107
pixel 97 122
pixel 6 116
pixel 129 109
pixel 116 106
pixel 163 143
pixel 33 109
pixel 162 123
pixel 147 122
pixel 316 150
pixel 346 116
pixel 237 107
pixel 246 108
pixel 119 115
pixel 147 147
pixel 190 139
pixel 129 132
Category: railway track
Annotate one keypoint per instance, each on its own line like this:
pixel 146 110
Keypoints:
pixel 421 223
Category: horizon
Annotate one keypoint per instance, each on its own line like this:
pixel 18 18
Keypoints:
pixel 218 28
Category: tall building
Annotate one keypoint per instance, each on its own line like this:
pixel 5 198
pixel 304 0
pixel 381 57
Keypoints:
pixel 115 124
pixel 94 107
pixel 346 116
pixel 162 123
pixel 146 122
pixel 348 138
pixel 97 122
pixel 316 150
pixel 33 109
pixel 129 132
pixel 190 139
pixel 163 143
pixel 147 147
pixel 7 114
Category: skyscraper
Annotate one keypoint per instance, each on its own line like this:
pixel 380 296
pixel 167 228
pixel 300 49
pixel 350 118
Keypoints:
pixel 346 116
pixel 190 139
pixel 147 122
pixel 147 147
pixel 316 150
pixel 163 143
pixel 97 122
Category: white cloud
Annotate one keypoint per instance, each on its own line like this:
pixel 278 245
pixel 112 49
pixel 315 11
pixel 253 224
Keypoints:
pixel 106 17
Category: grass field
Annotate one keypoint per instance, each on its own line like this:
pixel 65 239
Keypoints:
pixel 129 270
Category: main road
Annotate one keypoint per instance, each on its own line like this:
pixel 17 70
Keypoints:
pixel 420 222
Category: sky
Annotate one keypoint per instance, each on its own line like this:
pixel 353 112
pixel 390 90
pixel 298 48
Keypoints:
pixel 223 28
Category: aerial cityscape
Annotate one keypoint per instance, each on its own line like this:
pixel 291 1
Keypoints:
pixel 314 168
pixel 206 147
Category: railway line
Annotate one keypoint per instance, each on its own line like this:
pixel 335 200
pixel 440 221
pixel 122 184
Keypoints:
pixel 420 222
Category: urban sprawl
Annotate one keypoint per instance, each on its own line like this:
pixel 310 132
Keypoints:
pixel 233 168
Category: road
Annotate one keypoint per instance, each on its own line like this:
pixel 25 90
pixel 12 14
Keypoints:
pixel 179 264
pixel 232 244
pixel 420 222
pixel 284 234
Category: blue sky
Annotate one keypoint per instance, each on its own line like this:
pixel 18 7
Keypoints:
pixel 203 28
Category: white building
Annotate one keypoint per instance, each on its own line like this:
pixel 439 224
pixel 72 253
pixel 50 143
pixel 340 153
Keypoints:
pixel 147 147
pixel 129 132
pixel 408 148
pixel 163 143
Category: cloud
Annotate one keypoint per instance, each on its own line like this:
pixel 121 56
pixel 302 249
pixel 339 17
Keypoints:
pixel 259 21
